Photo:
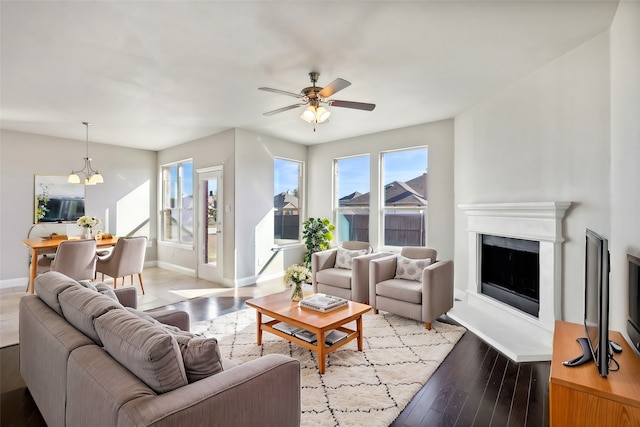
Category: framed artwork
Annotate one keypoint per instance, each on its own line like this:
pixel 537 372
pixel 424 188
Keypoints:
pixel 56 200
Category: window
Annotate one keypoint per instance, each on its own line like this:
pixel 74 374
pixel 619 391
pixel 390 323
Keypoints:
pixel 177 203
pixel 287 201
pixel 352 193
pixel 404 206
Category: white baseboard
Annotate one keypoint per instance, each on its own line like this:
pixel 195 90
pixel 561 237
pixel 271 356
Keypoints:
pixel 177 268
pixel 18 282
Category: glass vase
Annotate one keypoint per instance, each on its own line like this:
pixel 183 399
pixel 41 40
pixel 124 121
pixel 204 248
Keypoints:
pixel 296 295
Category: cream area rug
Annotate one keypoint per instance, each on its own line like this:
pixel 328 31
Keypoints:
pixel 358 388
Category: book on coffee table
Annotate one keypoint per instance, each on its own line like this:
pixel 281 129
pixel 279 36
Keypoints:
pixel 305 335
pixel 323 303
pixel 334 336
pixel 287 328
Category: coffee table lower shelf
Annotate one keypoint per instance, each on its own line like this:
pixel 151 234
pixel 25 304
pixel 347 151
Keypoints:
pixel 280 308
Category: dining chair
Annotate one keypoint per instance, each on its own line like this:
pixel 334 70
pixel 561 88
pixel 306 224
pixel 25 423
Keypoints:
pixel 45 231
pixel 76 259
pixel 126 259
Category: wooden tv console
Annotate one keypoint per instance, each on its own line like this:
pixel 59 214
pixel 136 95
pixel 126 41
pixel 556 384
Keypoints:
pixel 579 396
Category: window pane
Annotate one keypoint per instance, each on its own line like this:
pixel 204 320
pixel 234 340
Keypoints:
pixel 170 225
pixel 353 225
pixel 405 186
pixel 287 176
pixel 404 227
pixel 352 187
pixel 177 203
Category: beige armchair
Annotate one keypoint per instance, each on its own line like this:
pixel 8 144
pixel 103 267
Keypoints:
pixel 424 299
pixel 126 259
pixel 76 259
pixel 351 283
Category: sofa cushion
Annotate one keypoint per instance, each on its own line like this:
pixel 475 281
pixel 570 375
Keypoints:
pixel 146 349
pixel 344 257
pixel 81 306
pixel 99 287
pixel 201 356
pixel 411 269
pixel 49 285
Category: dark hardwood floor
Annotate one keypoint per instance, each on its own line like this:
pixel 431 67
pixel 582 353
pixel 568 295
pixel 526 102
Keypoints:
pixel 475 385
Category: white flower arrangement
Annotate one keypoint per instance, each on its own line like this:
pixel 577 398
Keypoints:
pixel 88 221
pixel 297 273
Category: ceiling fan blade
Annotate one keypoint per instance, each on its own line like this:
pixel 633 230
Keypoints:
pixel 351 104
pixel 281 92
pixel 333 87
pixel 280 110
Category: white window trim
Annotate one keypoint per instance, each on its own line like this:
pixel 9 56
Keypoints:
pixel 161 240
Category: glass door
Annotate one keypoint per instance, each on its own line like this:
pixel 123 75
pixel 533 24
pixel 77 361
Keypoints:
pixel 210 224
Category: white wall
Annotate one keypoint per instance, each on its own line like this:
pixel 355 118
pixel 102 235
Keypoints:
pixel 210 151
pixel 625 153
pixel 438 136
pixel 255 155
pixel 545 138
pixel 129 187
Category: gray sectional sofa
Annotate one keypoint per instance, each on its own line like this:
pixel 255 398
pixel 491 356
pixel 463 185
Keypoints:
pixel 88 360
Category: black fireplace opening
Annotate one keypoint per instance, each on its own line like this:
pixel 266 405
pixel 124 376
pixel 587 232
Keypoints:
pixel 510 272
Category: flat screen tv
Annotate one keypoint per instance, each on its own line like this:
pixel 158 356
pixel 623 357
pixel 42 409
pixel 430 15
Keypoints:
pixel 596 299
pixel 633 321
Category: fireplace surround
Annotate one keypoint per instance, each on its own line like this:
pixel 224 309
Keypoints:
pixel 539 222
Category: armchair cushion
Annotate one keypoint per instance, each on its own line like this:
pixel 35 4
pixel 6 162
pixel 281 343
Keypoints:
pixel 400 289
pixel 338 277
pixel 411 269
pixel 344 257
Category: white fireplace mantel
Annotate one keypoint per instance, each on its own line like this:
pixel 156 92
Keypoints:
pixel 537 221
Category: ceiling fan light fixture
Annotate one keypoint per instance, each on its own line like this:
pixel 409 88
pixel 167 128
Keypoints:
pixel 309 114
pixel 322 114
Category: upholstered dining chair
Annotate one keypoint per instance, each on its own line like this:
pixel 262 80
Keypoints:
pixel 413 284
pixel 76 259
pixel 343 271
pixel 126 259
pixel 46 231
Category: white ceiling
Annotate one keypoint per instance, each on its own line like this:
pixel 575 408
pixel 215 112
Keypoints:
pixel 152 74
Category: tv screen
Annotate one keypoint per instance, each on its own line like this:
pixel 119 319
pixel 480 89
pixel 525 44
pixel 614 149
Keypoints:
pixel 633 321
pixel 596 299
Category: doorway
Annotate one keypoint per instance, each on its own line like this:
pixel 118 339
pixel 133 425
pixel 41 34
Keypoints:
pixel 210 220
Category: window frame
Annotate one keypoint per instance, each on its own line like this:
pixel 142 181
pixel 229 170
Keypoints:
pixel 301 180
pixel 383 208
pixel 337 209
pixel 165 198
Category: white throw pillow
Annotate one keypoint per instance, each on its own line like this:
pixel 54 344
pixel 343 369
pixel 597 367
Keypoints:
pixel 411 269
pixel 344 257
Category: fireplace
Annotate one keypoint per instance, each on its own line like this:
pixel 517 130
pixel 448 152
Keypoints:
pixel 519 322
pixel 510 272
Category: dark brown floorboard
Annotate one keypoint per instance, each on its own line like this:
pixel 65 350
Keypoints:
pixel 475 385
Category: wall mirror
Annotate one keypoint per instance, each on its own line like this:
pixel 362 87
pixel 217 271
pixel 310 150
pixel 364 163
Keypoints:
pixel 56 200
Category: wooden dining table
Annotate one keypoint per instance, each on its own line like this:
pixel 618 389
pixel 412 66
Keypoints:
pixel 38 244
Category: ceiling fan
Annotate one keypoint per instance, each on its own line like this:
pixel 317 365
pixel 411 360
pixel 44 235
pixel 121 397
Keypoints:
pixel 316 98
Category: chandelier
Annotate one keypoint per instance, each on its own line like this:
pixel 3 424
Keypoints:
pixel 91 176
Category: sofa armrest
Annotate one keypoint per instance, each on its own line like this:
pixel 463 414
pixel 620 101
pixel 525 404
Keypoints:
pixel 360 276
pixel 320 261
pixel 437 289
pixel 380 269
pixel 177 318
pixel 127 296
pixel 264 392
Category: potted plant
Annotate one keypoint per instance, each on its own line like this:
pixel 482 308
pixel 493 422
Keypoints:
pixel 317 236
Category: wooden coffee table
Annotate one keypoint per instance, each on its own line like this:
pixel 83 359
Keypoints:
pixel 280 307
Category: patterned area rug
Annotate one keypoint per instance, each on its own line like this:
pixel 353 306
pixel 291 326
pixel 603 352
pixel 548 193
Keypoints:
pixel 358 388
